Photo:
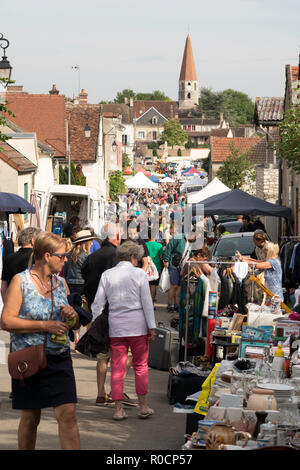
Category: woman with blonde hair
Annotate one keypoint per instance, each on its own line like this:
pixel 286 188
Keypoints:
pixel 36 312
pixel 271 268
pixel 76 258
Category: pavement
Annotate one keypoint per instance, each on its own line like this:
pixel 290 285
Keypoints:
pixel 98 431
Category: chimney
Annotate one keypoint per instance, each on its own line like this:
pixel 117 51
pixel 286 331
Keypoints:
pixel 54 91
pixel 15 88
pixel 131 102
pixel 125 100
pixel 83 97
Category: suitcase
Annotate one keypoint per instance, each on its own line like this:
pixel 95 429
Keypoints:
pixel 181 386
pixel 164 350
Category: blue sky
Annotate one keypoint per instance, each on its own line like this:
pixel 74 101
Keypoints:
pixel 138 44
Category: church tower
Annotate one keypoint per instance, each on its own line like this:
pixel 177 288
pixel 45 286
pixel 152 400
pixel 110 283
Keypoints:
pixel 188 84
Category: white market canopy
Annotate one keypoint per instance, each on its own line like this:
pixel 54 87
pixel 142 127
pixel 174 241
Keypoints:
pixel 214 187
pixel 167 179
pixel 140 181
pixel 195 181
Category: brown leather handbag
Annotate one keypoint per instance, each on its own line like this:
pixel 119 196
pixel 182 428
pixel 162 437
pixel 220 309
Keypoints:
pixel 29 361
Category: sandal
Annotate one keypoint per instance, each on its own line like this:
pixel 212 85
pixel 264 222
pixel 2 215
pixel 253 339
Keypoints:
pixel 127 401
pixel 146 415
pixel 120 418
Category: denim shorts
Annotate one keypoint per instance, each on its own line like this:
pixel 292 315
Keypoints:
pixel 175 278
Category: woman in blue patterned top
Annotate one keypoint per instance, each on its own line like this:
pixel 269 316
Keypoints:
pixel 26 315
pixel 271 267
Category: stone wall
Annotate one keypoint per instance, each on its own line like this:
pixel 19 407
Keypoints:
pixel 267 183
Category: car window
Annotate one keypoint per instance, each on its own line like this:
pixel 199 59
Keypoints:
pixel 228 246
pixel 233 227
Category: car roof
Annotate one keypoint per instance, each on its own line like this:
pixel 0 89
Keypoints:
pixel 238 234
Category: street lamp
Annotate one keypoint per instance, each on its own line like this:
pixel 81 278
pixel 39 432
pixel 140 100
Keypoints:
pixel 5 67
pixel 87 131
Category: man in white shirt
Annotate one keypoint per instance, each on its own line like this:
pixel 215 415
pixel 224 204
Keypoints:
pixel 131 323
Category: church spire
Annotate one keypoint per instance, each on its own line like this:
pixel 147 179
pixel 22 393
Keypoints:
pixel 188 83
pixel 188 69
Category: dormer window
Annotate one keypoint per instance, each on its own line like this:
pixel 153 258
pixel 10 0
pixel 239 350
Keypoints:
pixel 154 120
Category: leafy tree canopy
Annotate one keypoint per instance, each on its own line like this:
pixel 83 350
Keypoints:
pixel 237 170
pixel 290 138
pixel 237 107
pixel 77 177
pixel 4 111
pixel 128 93
pixel 116 185
pixel 173 133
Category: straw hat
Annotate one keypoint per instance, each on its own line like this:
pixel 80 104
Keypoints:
pixel 83 236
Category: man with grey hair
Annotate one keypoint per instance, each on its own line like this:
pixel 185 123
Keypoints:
pixel 21 260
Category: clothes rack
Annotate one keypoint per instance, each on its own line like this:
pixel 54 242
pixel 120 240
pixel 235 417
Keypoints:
pixel 213 264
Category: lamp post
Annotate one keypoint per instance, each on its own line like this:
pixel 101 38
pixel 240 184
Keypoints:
pixel 5 67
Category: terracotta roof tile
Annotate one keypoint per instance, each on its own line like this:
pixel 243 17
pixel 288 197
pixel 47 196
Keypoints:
pixel 221 146
pixel 43 114
pixel 16 159
pixel 83 149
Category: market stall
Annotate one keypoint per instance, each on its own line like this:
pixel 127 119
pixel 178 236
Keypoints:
pixel 140 181
pixel 214 187
pixel 251 397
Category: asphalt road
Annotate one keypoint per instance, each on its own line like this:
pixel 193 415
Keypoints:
pixel 98 431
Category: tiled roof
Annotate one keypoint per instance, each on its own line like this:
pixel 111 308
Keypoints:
pixel 268 110
pixel 18 130
pixel 43 114
pixel 188 69
pixel 219 132
pixel 200 121
pixel 167 108
pixel 83 149
pixel 258 152
pixel 221 146
pixel 120 109
pixel 16 159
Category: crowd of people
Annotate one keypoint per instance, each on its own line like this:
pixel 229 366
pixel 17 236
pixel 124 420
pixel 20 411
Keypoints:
pixel 109 271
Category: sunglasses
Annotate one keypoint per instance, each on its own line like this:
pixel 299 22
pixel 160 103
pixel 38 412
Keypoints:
pixel 60 255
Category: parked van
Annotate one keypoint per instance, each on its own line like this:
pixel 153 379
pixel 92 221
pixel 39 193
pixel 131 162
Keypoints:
pixel 64 201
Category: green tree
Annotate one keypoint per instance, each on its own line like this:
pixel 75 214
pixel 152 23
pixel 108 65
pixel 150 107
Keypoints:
pixel 116 185
pixel 4 111
pixel 237 170
pixel 237 107
pixel 126 93
pixel 173 133
pixel 125 160
pixel 290 138
pixel 77 178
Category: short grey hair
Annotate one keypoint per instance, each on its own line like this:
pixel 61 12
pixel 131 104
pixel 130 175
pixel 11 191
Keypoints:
pixel 27 234
pixel 129 249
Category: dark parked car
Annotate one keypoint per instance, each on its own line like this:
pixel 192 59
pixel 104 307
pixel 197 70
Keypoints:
pixel 227 245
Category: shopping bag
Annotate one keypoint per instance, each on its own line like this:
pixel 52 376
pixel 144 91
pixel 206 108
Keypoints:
pixel 152 273
pixel 164 283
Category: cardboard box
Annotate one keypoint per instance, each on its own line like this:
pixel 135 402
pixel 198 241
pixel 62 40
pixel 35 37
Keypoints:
pixel 285 328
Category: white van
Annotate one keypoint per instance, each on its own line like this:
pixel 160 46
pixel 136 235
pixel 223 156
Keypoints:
pixel 64 201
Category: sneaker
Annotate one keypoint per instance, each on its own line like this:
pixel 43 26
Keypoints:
pixel 175 308
pixel 169 308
